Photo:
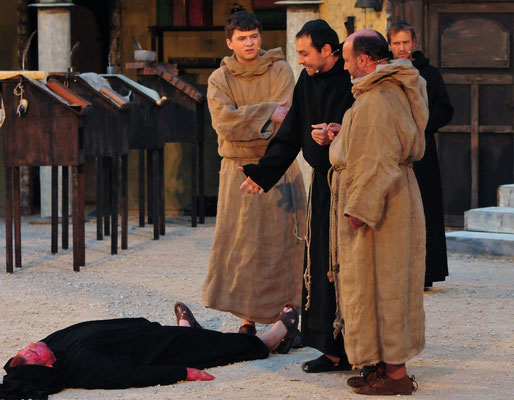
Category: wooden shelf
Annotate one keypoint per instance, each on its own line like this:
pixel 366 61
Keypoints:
pixel 157 33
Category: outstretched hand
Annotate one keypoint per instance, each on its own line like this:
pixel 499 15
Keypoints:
pixel 194 374
pixel 249 185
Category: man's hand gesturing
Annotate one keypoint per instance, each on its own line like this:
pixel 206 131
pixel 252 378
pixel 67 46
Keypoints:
pixel 249 185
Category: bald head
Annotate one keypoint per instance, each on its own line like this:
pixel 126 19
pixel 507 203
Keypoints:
pixel 362 32
pixel 368 42
pixel 363 50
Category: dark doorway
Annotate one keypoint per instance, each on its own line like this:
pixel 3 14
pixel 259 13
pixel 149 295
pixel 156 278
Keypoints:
pixel 91 26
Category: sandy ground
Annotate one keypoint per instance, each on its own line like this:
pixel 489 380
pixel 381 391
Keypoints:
pixel 470 326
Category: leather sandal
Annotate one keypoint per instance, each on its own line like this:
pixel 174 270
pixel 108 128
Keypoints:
pixel 183 312
pixel 292 327
pixel 325 364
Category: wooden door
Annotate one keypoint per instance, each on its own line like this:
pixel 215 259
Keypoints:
pixel 472 43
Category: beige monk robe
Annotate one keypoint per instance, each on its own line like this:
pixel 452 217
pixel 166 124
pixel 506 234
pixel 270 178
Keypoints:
pixel 257 257
pixel 379 268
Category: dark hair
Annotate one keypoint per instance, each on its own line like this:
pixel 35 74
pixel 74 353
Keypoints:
pixel 400 26
pixel 321 34
pixel 243 21
pixel 373 46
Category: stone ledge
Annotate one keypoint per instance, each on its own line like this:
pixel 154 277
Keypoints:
pixel 480 243
pixel 490 219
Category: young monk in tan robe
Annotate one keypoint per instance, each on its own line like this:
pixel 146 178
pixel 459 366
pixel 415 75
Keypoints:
pixel 378 230
pixel 257 255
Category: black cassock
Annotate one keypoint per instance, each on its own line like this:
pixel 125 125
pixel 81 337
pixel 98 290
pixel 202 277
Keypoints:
pixel 123 353
pixel 320 98
pixel 427 170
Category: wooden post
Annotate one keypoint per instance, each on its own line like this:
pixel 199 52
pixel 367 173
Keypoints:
pixel 114 203
pixel 162 193
pixel 17 222
pixel 54 207
pixel 141 188
pixel 64 207
pixel 100 198
pixel 155 193
pixel 124 202
pixel 149 173
pixel 81 216
pixel 75 219
pixel 8 220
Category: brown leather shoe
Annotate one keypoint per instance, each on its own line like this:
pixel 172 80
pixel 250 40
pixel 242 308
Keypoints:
pixel 183 312
pixel 387 386
pixel 247 329
pixel 367 375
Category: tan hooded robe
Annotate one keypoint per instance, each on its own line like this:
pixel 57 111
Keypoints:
pixel 257 258
pixel 379 268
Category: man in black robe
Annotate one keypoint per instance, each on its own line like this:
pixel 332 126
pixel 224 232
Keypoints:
pixel 132 352
pixel 402 40
pixel 321 96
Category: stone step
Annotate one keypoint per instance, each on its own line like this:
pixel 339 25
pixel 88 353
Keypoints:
pixel 490 219
pixel 506 195
pixel 480 243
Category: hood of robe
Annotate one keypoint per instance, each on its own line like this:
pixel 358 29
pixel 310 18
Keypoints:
pixel 35 381
pixel 401 73
pixel 264 61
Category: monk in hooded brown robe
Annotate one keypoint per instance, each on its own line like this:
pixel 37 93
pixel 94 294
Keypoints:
pixel 257 255
pixel 378 229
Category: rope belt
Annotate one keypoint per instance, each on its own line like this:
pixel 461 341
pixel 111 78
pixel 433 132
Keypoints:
pixel 307 274
pixel 333 270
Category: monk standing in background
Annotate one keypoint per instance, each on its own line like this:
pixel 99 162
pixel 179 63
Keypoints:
pixel 377 222
pixel 257 255
pixel 402 40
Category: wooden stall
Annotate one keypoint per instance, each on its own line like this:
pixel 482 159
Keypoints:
pixel 42 128
pixel 183 123
pixel 106 139
pixel 146 134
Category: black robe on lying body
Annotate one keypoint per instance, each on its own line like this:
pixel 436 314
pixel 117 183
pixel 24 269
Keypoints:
pixel 316 99
pixel 123 353
pixel 427 170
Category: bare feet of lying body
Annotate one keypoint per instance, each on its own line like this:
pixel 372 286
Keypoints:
pixel 280 337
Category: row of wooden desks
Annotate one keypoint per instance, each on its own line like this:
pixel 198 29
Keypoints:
pixel 60 119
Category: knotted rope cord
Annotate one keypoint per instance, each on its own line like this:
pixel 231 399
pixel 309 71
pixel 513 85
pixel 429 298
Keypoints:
pixel 333 271
pixel 307 274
